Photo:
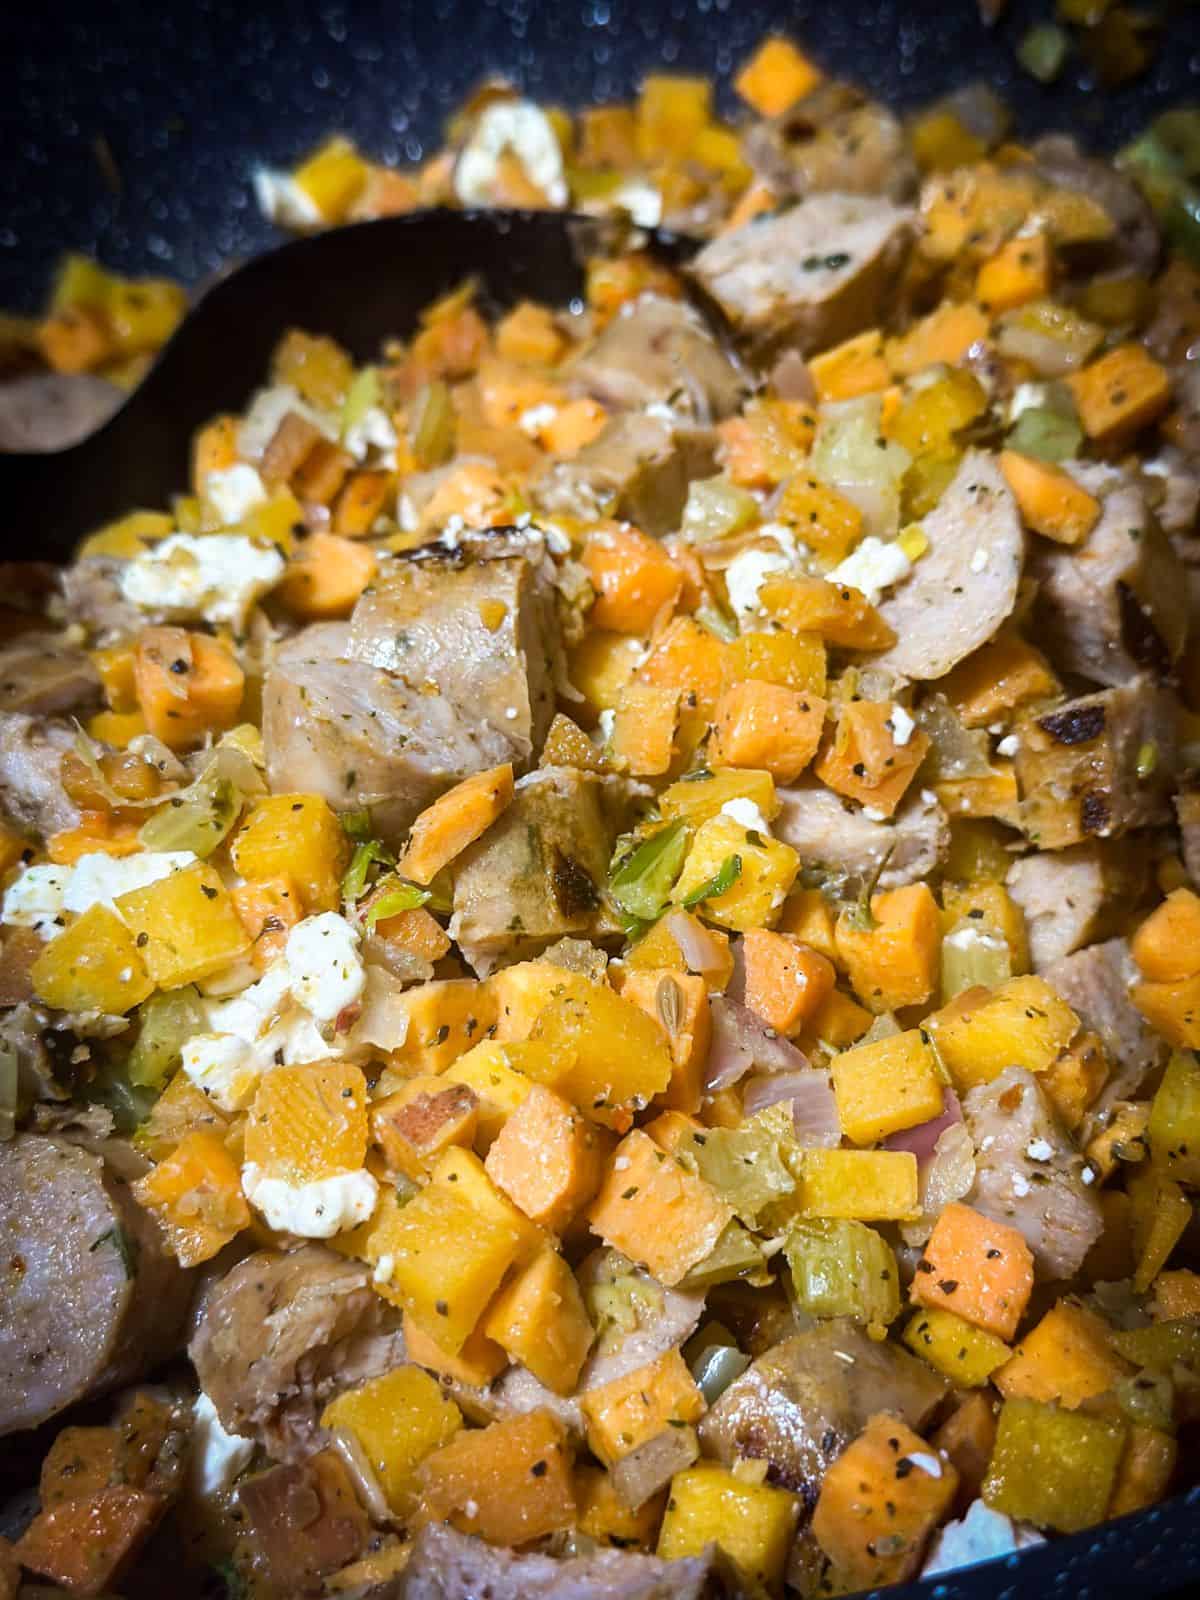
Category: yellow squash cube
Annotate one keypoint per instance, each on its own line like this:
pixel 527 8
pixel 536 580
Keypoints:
pixel 540 1319
pixel 962 1352
pixel 631 1410
pixel 1023 1023
pixel 94 965
pixel 397 1419
pixel 445 1018
pixel 619 1058
pixel 752 1522
pixel 886 1086
pixel 701 795
pixel 763 870
pixel 462 1174
pixel 185 926
pixel 863 1185
pixel 478 1361
pixel 296 836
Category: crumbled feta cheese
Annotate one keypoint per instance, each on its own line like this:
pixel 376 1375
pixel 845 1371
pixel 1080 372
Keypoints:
pixel 979 559
pixel 903 726
pixel 385 1268
pixel 42 895
pixel 524 129
pixel 927 1462
pixel 281 199
pixel 1020 1186
pixel 873 567
pixel 1008 746
pixel 267 410
pixel 314 1210
pixel 35 899
pixel 1039 1150
pixel 746 574
pixel 324 966
pixel 225 1067
pixel 982 1535
pixel 973 938
pixel 216 576
pixel 1026 397
pixel 661 412
pixel 606 722
pixel 1087 1173
pixel 642 201
pixel 747 814
pixel 216 1457
pixel 873 814
pixel 374 427
pixel 234 491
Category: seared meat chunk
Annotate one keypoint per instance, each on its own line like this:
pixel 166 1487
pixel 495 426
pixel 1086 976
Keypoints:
pixel 810 276
pixel 659 352
pixel 1097 766
pixel 539 872
pixel 304 1520
pixel 1029 1174
pixel 798 1406
pixel 654 1318
pixel 51 410
pixel 280 1333
pixel 474 625
pixel 31 791
pixel 961 592
pixel 842 843
pixel 447 1565
pixel 1095 984
pixel 91 1299
pixel 833 140
pixel 92 597
pixel 41 673
pixel 638 467
pixel 1135 246
pixel 1117 604
pixel 1072 897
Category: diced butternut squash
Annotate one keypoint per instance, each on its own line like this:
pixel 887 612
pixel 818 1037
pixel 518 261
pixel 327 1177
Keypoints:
pixel 185 926
pixel 635 581
pixel 734 875
pixel 397 1420
pixel 604 1516
pixel 644 726
pixel 92 965
pixel 1074 1079
pixel 296 836
pixel 509 1483
pixel 657 1212
pixel 195 1194
pixel 1176 1294
pixel 478 1361
pixel 887 1086
pixel 841 615
pixel 361 502
pixel 853 368
pixel 808 917
pixel 776 76
pixel 792 660
pixel 671 111
pixel 1166 947
pixel 455 820
pixel 860 1185
pixel 1067 1358
pixel 768 726
pixel 491 1072
pixel 1146 1469
pixel 786 981
pixel 701 795
pixel 678 1002
pixel 1022 1023
pixel 530 334
pixel 980 1269
pixel 944 336
pixel 548 1158
pixel 895 962
pixel 1049 499
pixel 540 1320
pixel 1019 271
pixel 753 1523
pixel 840 1021
pixel 600 666
pixel 326 576
pixel 766 443
pixel 268 910
pixel 965 1354
pixel 1172 1009
pixel 309 1122
pixel 1054 1468
pixel 187 685
pixel 635 1408
pixel 829 523
pixel 620 1058
pixel 866 761
pixel 1121 392
pixel 880 1501
pixel 989 908
pixel 417 1124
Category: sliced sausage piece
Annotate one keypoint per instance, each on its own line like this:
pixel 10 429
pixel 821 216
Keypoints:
pixel 798 1406
pixel 1095 984
pixel 637 467
pixel 539 872
pixel 1073 897
pixel 281 1333
pixel 1097 766
pixel 448 1565
pixel 1136 246
pixel 92 597
pixel 833 141
pixel 90 1298
pixel 41 674
pixel 811 276
pixel 965 587
pixel 659 352
pixel 839 840
pixel 1117 604
pixel 31 791
pixel 1029 1174
pixel 51 410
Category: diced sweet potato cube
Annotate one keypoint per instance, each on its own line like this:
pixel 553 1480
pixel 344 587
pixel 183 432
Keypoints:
pixel 769 726
pixel 325 576
pixel 980 1269
pixel 635 581
pixel 655 1211
pixel 1000 677
pixel 509 1483
pixel 414 1126
pixel 866 760
pixel 548 1158
pixel 455 820
pixel 267 911
pixel 792 660
pixel 968 1437
pixel 187 684
pixel 322 473
pixel 630 1410
pixel 530 334
pixel 896 962
pixel 86 1544
pixel 678 1002
pixel 1166 946
pixel 196 1195
pixel 786 981
pixel 645 721
pixel 776 76
pixel 498 1085
pixel 1120 392
pixel 288 448
pixel 1019 271
pixel 540 1319
pixel 398 1419
pixel 479 1360
pixel 297 836
pixel 309 1122
pixel 1049 499
pixel 839 614
pixel 1067 1358
pixel 361 502
pixel 1146 1469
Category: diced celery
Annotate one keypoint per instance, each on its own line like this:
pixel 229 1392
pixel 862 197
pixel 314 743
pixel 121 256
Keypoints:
pixel 716 509
pixel 1048 435
pixel 364 393
pixel 1147 1400
pixel 716 1367
pixel 198 819
pixel 394 897
pixel 433 425
pixel 8 1092
pixel 974 954
pixel 850 454
pixel 747 1165
pixel 736 1257
pixel 1159 1347
pixel 168 1020
pixel 843 1269
pixel 643 880
pixel 1173 1131
pixel 366 854
pixel 1051 1467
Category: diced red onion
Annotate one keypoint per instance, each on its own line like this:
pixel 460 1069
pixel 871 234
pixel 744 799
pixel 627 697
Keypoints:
pixel 740 1041
pixel 922 1139
pixel 702 950
pixel 814 1109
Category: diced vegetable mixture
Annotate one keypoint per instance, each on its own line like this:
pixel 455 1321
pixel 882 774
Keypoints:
pixel 601 919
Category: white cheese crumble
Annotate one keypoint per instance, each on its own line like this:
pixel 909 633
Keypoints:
pixel 982 1535
pixel 324 967
pixel 536 418
pixel 903 726
pixel 385 1269
pixel 314 1210
pixel 1020 1186
pixel 980 559
pixel 746 813
pixel 873 567
pixel 374 427
pixel 234 491
pixel 746 574
pixel 1039 1150
pixel 217 1457
pixel 35 899
pixel 973 938
pixel 519 127
pixel 1008 746
pixel 281 199
pixel 216 576
pixel 642 201
pixel 43 895
pixel 927 1462
pixel 1026 397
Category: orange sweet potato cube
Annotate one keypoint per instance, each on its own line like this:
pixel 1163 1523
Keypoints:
pixel 867 760
pixel 634 579
pixel 548 1158
pixel 897 961
pixel 769 726
pixel 655 1211
pixel 196 1195
pixel 786 981
pixel 678 1001
pixel 978 1268
pixel 509 1484
pixel 455 820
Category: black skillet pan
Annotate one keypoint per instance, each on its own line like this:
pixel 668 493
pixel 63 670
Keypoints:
pixel 134 137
